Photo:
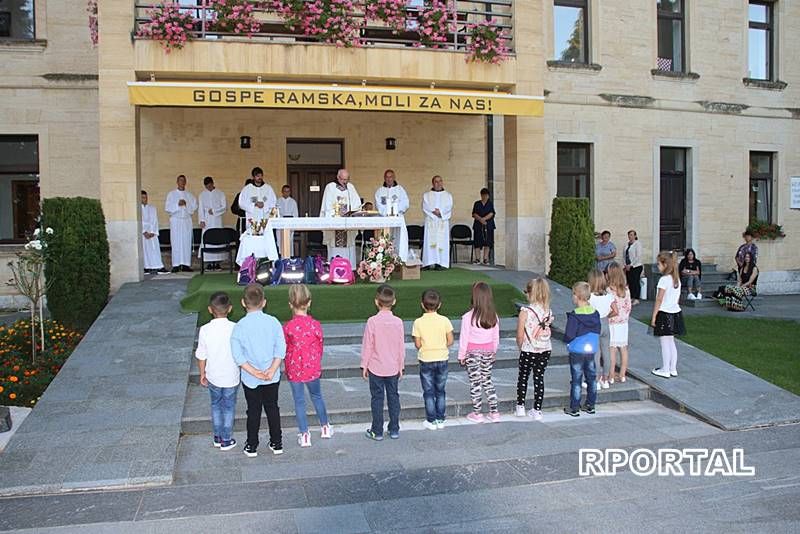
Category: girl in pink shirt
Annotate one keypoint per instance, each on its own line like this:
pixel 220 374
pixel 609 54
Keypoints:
pixel 303 363
pixel 477 346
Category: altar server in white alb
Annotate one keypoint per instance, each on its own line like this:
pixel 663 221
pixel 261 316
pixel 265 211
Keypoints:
pixel 391 200
pixel 257 199
pixel 212 206
pixel 180 205
pixel 287 207
pixel 437 205
pixel 339 199
pixel 151 248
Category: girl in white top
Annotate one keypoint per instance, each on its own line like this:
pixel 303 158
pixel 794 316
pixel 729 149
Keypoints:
pixel 667 320
pixel 618 324
pixel 533 340
pixel 603 302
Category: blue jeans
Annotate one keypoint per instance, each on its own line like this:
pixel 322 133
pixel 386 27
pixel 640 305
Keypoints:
pixel 581 367
pixel 299 395
pixel 433 376
pixel 223 409
pixel 377 386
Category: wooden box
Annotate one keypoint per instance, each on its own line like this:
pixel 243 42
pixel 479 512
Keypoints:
pixel 408 272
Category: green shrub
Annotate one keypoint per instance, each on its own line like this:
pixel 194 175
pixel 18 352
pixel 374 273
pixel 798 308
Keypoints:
pixel 77 260
pixel 571 240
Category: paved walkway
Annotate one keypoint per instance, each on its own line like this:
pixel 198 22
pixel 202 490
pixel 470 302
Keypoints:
pixel 708 387
pixel 112 416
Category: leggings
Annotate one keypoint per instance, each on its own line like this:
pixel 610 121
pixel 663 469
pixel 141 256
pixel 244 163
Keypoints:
pixel 669 354
pixel 536 362
pixel 479 369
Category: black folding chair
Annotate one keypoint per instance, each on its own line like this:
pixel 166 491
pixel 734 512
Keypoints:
pixel 164 240
pixel 461 234
pixel 748 300
pixel 217 240
pixel 416 235
pixel 197 240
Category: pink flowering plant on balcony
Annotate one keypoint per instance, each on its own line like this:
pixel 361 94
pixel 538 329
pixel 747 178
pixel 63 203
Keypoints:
pixel 436 22
pixel 330 21
pixel 236 16
pixel 91 9
pixel 486 42
pixel 381 260
pixel 169 25
pixel 390 12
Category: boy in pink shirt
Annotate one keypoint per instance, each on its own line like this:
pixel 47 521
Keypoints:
pixel 383 353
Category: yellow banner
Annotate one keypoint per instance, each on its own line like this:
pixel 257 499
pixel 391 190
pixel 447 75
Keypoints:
pixel 357 98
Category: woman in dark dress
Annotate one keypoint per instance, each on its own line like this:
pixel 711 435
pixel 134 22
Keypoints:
pixel 483 227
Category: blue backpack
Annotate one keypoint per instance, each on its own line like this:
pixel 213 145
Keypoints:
pixel 289 271
pixel 585 344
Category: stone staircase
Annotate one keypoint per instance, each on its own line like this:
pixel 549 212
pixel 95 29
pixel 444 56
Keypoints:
pixel 347 395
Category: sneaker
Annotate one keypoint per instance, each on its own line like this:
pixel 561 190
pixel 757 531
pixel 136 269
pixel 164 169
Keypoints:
pixel 623 379
pixel 473 417
pixel 326 431
pixel 604 384
pixel 217 441
pixel 673 373
pixel 430 425
pixel 494 417
pixel 699 296
pixel 227 445
pixel 660 372
pixel 176 270
pixel 588 409
pixel 303 439
pixel 536 414
pixel 440 424
pixel 519 411
pixel 395 434
pixel 690 296
pixel 369 434
pixel 584 385
pixel 572 413
pixel 611 381
pixel 250 451
pixel 277 448
pixel 162 271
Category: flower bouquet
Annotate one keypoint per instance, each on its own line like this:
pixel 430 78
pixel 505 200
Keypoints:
pixel 380 261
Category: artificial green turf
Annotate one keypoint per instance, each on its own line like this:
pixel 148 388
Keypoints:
pixel 356 303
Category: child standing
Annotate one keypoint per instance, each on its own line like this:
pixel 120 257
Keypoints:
pixel 603 302
pixel 667 320
pixel 433 335
pixel 477 349
pixel 383 352
pixel 582 335
pixel 258 348
pixel 303 363
pixel 618 324
pixel 218 372
pixel 533 340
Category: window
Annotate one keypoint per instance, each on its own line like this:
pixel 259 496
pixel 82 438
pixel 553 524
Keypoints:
pixel 671 50
pixel 573 170
pixel 761 186
pixel 19 186
pixel 571 31
pixel 759 41
pixel 16 19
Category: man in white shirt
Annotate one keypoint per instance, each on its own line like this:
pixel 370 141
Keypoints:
pixel 391 200
pixel 340 198
pixel 180 205
pixel 151 247
pixel 287 207
pixel 212 207
pixel 257 199
pixel 437 205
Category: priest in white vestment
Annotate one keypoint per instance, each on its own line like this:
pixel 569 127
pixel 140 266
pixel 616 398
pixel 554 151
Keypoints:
pixel 287 207
pixel 392 200
pixel 257 199
pixel 340 198
pixel 212 206
pixel 151 247
pixel 180 205
pixel 437 205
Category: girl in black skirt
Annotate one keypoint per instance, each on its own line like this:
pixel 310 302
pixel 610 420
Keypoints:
pixel 483 227
pixel 667 320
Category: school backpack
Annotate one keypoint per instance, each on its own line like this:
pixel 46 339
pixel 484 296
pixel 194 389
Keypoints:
pixel 541 330
pixel 264 271
pixel 309 270
pixel 322 270
pixel 247 272
pixel 292 271
pixel 341 271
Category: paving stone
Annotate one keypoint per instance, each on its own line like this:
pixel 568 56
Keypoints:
pixel 72 509
pixel 339 519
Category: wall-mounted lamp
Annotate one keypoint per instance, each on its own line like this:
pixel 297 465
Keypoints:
pixel 244 142
pixel 391 143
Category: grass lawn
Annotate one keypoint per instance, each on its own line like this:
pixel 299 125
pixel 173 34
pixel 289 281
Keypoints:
pixel 356 303
pixel 765 347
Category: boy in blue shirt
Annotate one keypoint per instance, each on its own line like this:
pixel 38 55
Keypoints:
pixel 582 336
pixel 258 348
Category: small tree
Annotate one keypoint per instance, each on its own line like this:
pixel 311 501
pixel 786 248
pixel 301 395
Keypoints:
pixel 77 260
pixel 571 240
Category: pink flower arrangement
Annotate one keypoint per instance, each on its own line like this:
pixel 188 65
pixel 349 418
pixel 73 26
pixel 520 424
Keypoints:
pixel 91 8
pixel 235 16
pixel 436 22
pixel 487 43
pixel 169 25
pixel 330 21
pixel 390 12
pixel 381 260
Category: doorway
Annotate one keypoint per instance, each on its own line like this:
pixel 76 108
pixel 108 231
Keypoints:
pixel 26 207
pixel 310 166
pixel 672 216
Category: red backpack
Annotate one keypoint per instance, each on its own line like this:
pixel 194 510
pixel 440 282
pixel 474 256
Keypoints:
pixel 341 272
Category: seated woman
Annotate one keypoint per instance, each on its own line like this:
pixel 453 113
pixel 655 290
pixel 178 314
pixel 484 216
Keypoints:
pixel 732 297
pixel 690 271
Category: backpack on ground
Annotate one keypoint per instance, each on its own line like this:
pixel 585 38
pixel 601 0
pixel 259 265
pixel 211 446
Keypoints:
pixel 247 272
pixel 264 269
pixel 310 270
pixel 341 271
pixel 292 271
pixel 322 270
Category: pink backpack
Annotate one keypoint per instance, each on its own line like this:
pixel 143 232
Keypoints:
pixel 247 272
pixel 341 272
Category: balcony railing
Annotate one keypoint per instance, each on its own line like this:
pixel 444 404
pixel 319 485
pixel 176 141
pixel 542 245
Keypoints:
pixel 462 13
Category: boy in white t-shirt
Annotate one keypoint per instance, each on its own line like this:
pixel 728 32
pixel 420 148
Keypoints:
pixel 218 372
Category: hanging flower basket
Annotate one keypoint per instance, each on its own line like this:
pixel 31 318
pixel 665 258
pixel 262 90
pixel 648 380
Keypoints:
pixel 486 42
pixel 330 21
pixel 169 25
pixel 390 12
pixel 435 23
pixel 236 16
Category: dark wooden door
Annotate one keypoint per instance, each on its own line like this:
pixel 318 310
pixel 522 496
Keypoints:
pixel 26 207
pixel 673 199
pixel 308 183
